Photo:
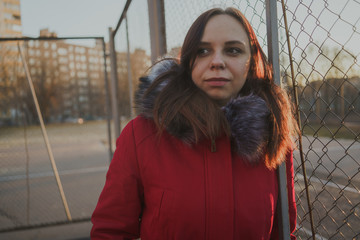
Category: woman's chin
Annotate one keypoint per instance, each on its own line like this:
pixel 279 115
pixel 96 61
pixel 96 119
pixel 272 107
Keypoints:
pixel 220 101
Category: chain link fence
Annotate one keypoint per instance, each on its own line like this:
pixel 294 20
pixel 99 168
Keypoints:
pixel 319 41
pixel 318 51
pixel 68 78
pixel 324 53
pixel 133 54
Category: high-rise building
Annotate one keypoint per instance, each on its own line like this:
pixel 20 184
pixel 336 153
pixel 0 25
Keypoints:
pixel 10 26
pixel 74 75
pixel 68 78
pixel 10 18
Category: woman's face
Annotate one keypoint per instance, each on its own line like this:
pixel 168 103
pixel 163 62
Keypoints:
pixel 223 59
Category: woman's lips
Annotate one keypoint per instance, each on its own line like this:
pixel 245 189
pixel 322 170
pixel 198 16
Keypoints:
pixel 217 82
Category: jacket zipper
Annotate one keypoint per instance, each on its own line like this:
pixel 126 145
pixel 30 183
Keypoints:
pixel 213 145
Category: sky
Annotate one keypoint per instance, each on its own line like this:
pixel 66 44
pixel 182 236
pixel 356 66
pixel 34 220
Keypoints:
pixel 334 23
pixel 70 17
pixel 94 17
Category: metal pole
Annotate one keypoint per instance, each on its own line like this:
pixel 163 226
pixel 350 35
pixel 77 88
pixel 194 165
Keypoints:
pixel 107 99
pixel 45 38
pixel 273 55
pixel 46 139
pixel 129 70
pixel 157 29
pixel 126 7
pixel 296 98
pixel 114 85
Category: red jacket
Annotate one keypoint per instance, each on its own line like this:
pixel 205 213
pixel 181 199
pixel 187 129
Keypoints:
pixel 160 188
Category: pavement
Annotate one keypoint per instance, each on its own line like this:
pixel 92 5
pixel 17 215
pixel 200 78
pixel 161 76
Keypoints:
pixel 73 231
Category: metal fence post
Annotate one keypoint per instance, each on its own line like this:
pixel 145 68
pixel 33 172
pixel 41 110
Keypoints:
pixel 273 55
pixel 114 84
pixel 129 70
pixel 107 99
pixel 157 28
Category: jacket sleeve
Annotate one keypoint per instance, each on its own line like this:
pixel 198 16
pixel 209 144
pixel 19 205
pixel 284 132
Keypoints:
pixel 291 200
pixel 118 210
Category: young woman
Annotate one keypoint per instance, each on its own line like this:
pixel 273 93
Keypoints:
pixel 199 162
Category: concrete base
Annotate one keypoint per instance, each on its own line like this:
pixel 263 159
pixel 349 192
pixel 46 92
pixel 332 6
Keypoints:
pixel 74 231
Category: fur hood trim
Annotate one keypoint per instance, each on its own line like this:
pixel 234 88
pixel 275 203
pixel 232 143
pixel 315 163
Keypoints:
pixel 248 116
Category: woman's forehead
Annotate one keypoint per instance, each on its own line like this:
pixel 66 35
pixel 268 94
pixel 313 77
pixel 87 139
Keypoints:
pixel 224 28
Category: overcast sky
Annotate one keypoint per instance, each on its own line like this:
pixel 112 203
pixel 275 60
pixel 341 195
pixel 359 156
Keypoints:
pixel 94 17
pixel 70 17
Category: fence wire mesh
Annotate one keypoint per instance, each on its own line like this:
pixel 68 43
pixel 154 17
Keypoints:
pixel 178 22
pixel 69 83
pixel 323 38
pixel 133 55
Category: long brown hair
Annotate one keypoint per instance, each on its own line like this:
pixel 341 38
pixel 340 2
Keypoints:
pixel 181 101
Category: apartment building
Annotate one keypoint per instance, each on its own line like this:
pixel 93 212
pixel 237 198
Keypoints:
pixel 72 77
pixel 10 26
pixel 68 78
pixel 10 18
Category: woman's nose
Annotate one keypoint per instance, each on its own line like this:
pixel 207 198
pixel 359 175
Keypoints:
pixel 217 62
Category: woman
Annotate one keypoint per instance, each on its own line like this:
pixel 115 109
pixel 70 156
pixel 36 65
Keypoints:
pixel 199 161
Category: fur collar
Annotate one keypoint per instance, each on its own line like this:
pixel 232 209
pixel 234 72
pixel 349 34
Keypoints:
pixel 247 117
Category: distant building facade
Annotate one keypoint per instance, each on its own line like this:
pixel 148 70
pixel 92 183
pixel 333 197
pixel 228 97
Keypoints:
pixel 10 26
pixel 69 81
pixel 73 76
pixel 10 18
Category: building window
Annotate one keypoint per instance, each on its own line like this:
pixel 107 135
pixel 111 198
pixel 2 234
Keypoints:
pixel 81 74
pixel 80 50
pixel 63 69
pixel 13 27
pixel 7 15
pixel 62 51
pixel 63 60
pixel 12 6
pixel 94 75
pixel 16 17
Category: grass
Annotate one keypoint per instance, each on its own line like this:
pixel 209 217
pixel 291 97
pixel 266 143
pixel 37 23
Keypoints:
pixel 99 128
pixel 338 131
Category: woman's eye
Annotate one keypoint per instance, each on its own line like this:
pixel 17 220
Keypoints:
pixel 233 51
pixel 202 51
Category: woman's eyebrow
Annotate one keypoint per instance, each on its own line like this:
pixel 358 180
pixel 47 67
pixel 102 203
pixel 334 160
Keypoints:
pixel 232 42
pixel 235 42
pixel 204 44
